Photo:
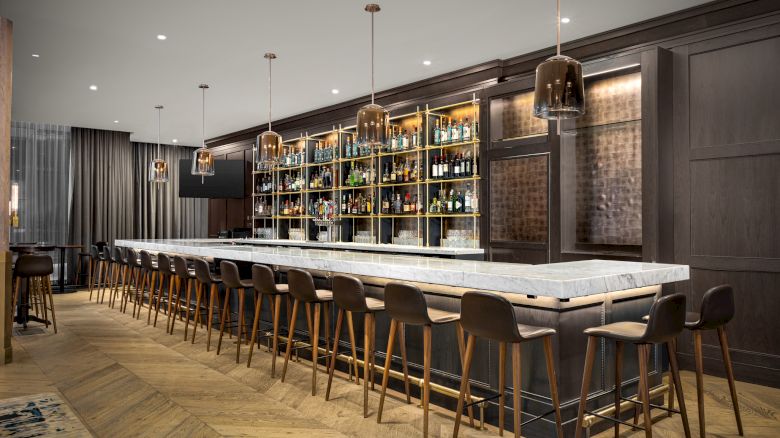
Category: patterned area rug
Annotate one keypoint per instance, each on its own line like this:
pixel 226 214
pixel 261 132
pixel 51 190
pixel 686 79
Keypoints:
pixel 39 415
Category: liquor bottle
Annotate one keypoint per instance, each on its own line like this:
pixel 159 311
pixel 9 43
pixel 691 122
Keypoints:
pixel 347 149
pixel 386 174
pixel 475 201
pixel 445 134
pixel 393 174
pixel 386 204
pixel 406 208
pixel 451 202
pixel 467 199
pixel 445 168
pixel 415 137
pixel 415 205
pixel 354 148
pixel 397 205
pixel 415 172
pixel 440 167
pixel 435 167
pixel 437 134
pixel 467 165
pixel 405 140
pixel 459 204
pixel 455 132
pixel 393 139
pixel 456 167
pixel 343 204
pixel 467 130
pixel 406 171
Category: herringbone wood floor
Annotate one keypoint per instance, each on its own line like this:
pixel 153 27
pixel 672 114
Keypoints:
pixel 124 378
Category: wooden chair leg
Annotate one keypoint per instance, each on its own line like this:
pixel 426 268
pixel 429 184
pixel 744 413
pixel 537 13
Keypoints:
pixel 670 396
pixel 462 353
pixel 385 374
pixel 51 304
pixel 315 338
pixel 501 387
pixel 618 382
pixel 277 317
pixel 153 297
pixel 326 321
pixel 159 299
pixel 516 391
pixel 290 345
pixel 334 352
pixel 255 323
pixel 213 292
pixel 589 356
pixel 240 324
pixel 351 330
pixel 643 351
pixel 198 297
pixel 464 382
pixel 404 362
pixel 89 278
pixel 674 369
pixel 139 292
pixel 188 305
pixel 106 281
pixel 699 360
pixel 426 390
pixel 371 352
pixel 553 378
pixel 225 310
pixel 17 284
pixel 724 350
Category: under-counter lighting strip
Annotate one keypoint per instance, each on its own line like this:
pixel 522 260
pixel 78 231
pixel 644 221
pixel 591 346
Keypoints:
pixel 636 64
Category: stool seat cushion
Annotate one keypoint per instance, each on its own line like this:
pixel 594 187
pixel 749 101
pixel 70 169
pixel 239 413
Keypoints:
pixel 374 305
pixel 247 284
pixel 621 331
pixel 324 295
pixel 692 320
pixel 438 316
pixel 533 332
pixel 283 288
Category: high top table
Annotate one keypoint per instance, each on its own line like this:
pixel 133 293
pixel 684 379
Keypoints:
pixel 568 297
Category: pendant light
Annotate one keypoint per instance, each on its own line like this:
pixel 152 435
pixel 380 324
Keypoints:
pixel 202 158
pixel 158 168
pixel 270 143
pixel 372 119
pixel 560 92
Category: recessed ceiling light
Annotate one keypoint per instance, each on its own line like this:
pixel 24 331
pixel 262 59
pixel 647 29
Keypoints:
pixel 162 37
pixel 175 140
pixel 335 91
pixel 116 121
pixel 426 62
pixel 93 87
pixel 35 55
pixel 565 20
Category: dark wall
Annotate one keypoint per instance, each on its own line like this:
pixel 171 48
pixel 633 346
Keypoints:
pixel 226 214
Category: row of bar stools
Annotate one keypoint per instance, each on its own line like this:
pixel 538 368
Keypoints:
pixel 303 290
pixel 165 274
pixel 265 286
pixel 36 269
pixel 133 270
pixel 182 293
pixel 490 316
pixel 232 280
pixel 665 323
pixel 205 279
pixel 148 275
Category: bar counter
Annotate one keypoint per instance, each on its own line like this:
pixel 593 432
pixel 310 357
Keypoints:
pixel 568 297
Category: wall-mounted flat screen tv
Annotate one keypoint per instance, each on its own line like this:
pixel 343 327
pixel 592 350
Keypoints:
pixel 227 182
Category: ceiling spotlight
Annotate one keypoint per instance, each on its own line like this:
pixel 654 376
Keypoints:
pixel 426 62
pixel 175 140
pixel 162 37
pixel 116 121
pixel 93 87
pixel 565 20
pixel 335 91
pixel 35 55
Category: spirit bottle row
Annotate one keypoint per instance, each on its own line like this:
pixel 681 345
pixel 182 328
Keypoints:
pixel 402 141
pixel 357 205
pixel 359 175
pixel 322 208
pixel 453 166
pixel 321 179
pixel 455 202
pixel 263 208
pixel 455 132
pixel 352 149
pixel 400 172
pixel 291 208
pixel 293 159
pixel 395 204
pixel 290 183
pixel 264 185
pixel 324 153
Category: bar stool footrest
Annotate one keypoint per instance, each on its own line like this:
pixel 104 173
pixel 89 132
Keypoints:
pixel 614 420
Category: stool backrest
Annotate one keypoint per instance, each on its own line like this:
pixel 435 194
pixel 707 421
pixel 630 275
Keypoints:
pixel 349 293
pixel 667 319
pixel 132 257
pixel 33 265
pixel 263 280
pixel 489 316
pixel 100 244
pixel 180 267
pixel 230 276
pixel 105 253
pixel 406 303
pixel 202 271
pixel 146 261
pixel 717 307
pixel 301 285
pixel 94 252
pixel 116 255
pixel 164 264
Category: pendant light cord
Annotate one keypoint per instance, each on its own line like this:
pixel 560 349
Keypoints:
pixel 558 29
pixel 372 56
pixel 269 93
pixel 159 112
pixel 203 119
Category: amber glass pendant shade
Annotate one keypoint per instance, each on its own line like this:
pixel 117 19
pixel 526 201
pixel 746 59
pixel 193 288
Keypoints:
pixel 202 162
pixel 158 171
pixel 372 124
pixel 270 148
pixel 559 92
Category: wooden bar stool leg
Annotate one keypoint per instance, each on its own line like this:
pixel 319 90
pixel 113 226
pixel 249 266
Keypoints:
pixel 643 351
pixel 516 391
pixel 277 316
pixel 154 296
pixel 326 318
pixel 240 322
pixel 426 376
pixel 198 298
pixel 89 278
pixel 106 281
pixel 225 310
pixel 674 369
pixel 589 356
pixel 670 397
pixel 618 383
pixel 385 375
pixel 213 291
pixel 351 330
pixel 139 292
pixel 290 345
pixel 51 304
pixel 372 353
pixel 367 354
pixel 173 296
pixel 315 338
pixel 255 323
pixel 464 383
pixel 724 350
pixel 699 360
pixel 501 387
pixel 548 353
pixel 404 362
pixel 462 353
pixel 332 364
pixel 188 304
pixel 17 283
pixel 159 298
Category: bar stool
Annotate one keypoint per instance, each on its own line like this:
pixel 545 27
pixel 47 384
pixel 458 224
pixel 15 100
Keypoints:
pixel 490 316
pixel 81 264
pixel 232 280
pixel 349 295
pixel 120 255
pixel 115 265
pixel 95 269
pixel 204 279
pixel 165 273
pixel 148 276
pixel 36 269
pixel 666 320
pixel 265 285
pixel 184 276
pixel 302 289
pixel 405 303
pixel 133 273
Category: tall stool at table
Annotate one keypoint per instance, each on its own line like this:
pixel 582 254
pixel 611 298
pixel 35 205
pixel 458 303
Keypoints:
pixel 81 264
pixel 405 303
pixel 303 290
pixel 184 277
pixel 232 280
pixel 115 277
pixel 665 323
pixel 133 274
pixel 350 297
pixel 95 269
pixel 207 281
pixel 489 316
pixel 148 276
pixel 36 269
pixel 266 286
pixel 108 265
pixel 164 273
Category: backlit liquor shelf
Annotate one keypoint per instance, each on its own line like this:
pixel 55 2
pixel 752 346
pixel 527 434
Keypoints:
pixel 419 189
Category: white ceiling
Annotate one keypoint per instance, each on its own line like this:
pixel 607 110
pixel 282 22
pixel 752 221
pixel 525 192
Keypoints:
pixel 320 44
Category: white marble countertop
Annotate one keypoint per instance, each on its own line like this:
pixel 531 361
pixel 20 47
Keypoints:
pixel 557 280
pixel 385 247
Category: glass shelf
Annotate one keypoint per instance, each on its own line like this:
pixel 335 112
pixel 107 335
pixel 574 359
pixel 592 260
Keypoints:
pixel 285 168
pixel 368 186
pixel 262 172
pixel 453 180
pixel 357 216
pixel 451 145
pixel 297 192
pixel 445 215
pixel 324 163
pixel 415 183
pixel 262 194
pixel 349 160
pixel 332 189
pixel 403 152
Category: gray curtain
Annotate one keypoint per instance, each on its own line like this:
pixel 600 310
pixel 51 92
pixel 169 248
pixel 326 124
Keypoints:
pixel 103 192
pixel 160 212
